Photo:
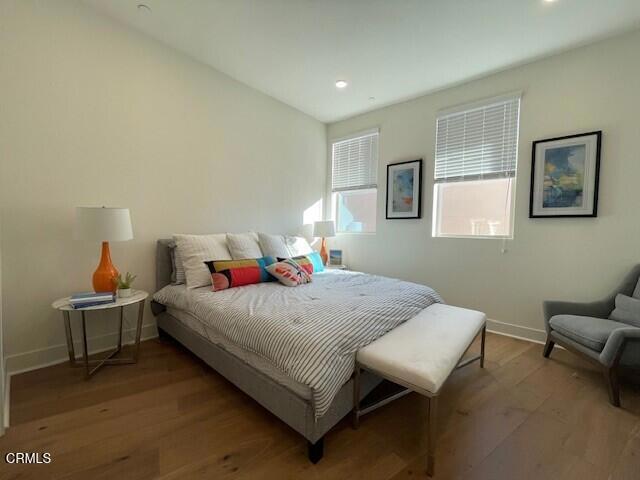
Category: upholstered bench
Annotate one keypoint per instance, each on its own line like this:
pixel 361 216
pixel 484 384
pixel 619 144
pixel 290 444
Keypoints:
pixel 420 355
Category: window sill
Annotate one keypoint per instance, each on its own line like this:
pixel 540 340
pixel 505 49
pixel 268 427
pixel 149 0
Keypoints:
pixel 479 237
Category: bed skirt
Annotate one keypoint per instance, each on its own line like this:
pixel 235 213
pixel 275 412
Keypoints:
pixel 295 411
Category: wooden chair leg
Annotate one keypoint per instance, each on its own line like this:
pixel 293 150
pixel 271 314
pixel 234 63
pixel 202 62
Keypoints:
pixel 548 347
pixel 611 377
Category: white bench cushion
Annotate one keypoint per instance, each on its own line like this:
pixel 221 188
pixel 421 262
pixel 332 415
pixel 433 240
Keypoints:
pixel 423 351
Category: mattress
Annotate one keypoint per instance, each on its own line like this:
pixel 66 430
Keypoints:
pixel 256 361
pixel 311 332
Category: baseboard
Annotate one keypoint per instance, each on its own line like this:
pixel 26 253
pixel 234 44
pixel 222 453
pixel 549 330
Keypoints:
pixel 516 331
pixel 45 357
pixel 35 359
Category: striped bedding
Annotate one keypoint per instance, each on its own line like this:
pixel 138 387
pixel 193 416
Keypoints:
pixel 311 332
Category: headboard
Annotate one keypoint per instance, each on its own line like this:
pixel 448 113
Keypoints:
pixel 164 265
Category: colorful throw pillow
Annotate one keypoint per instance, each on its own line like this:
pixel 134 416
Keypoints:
pixel 236 273
pixel 312 263
pixel 289 273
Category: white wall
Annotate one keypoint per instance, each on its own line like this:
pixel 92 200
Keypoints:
pixel 592 88
pixel 94 114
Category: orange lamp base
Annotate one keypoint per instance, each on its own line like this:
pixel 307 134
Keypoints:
pixel 323 252
pixel 105 275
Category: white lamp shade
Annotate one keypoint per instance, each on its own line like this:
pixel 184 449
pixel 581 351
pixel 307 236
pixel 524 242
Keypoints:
pixel 324 229
pixel 103 224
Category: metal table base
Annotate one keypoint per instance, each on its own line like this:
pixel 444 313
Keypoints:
pixel 109 358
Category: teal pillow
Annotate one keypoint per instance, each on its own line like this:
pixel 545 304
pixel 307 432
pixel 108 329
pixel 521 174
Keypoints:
pixel 316 260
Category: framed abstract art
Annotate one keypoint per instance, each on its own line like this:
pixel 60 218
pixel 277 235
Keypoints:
pixel 564 176
pixel 404 190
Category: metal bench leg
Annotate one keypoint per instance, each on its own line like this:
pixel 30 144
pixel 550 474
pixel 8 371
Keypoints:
pixel 484 334
pixel 431 435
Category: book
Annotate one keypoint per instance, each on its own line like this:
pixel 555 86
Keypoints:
pixel 91 296
pixel 91 299
pixel 92 304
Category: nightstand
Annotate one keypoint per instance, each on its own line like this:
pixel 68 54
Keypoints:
pixel 336 267
pixel 63 305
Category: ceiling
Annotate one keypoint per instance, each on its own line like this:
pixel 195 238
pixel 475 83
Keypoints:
pixel 388 50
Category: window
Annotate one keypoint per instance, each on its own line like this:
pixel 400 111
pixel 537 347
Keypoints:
pixel 475 169
pixel 354 172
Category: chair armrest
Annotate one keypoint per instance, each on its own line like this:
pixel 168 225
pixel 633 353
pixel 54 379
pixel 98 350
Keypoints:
pixel 600 309
pixel 618 340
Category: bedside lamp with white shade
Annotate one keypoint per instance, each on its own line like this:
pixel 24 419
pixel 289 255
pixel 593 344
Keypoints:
pixel 102 224
pixel 324 229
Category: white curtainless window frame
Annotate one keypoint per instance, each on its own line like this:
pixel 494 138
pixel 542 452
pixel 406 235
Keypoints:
pixel 354 181
pixel 475 168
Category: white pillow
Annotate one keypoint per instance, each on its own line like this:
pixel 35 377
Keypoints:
pixel 179 267
pixel 194 250
pixel 298 246
pixel 273 245
pixel 243 245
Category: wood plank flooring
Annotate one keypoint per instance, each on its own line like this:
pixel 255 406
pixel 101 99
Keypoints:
pixel 172 417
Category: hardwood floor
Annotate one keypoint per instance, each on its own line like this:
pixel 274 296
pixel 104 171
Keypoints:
pixel 172 417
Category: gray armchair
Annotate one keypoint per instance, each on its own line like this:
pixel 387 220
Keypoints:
pixel 584 328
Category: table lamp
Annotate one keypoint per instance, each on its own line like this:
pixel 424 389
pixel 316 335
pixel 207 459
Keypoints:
pixel 324 229
pixel 104 225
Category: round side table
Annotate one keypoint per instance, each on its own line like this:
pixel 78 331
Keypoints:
pixel 63 305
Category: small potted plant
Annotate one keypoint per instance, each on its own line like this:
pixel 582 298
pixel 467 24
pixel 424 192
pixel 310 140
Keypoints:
pixel 124 285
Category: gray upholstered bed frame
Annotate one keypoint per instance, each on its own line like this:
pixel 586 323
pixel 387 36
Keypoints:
pixel 295 411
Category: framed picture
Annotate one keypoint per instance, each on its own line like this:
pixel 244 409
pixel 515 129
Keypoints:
pixel 335 257
pixel 404 189
pixel 564 176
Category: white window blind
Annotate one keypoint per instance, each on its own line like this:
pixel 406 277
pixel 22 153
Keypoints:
pixel 355 162
pixel 478 141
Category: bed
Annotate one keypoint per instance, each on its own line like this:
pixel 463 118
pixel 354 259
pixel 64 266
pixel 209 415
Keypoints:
pixel 290 349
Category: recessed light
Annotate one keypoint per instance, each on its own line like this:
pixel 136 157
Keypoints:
pixel 142 8
pixel 341 84
pixel 549 1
